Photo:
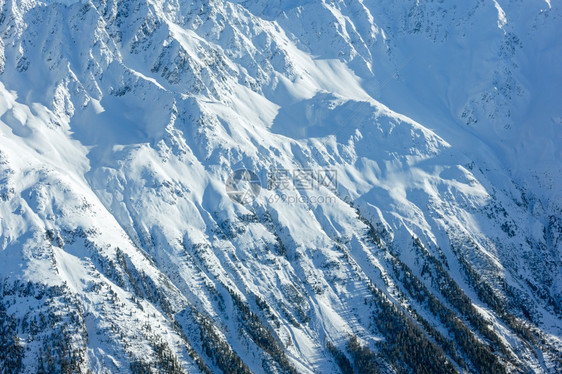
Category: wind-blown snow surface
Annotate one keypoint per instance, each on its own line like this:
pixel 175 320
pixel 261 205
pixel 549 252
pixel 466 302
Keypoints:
pixel 440 249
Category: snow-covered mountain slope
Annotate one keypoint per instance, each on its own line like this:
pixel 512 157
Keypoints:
pixel 430 239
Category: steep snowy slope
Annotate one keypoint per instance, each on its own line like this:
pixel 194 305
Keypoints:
pixel 404 211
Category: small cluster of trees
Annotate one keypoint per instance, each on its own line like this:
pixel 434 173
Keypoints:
pixel 456 296
pixel 487 294
pixel 405 343
pixel 212 344
pixel 11 350
pixel 364 360
pixel 261 335
pixel 142 285
pixel 341 359
pixel 479 354
pixel 166 360
pixel 482 357
pixel 57 323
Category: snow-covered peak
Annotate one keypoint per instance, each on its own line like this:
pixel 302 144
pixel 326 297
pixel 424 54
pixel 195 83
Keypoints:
pixel 398 166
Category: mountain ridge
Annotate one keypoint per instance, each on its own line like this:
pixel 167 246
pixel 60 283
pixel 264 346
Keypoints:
pixel 438 249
